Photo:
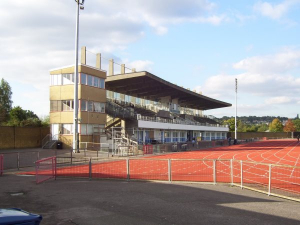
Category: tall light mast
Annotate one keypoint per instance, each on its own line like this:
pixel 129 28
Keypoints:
pixel 75 123
pixel 235 122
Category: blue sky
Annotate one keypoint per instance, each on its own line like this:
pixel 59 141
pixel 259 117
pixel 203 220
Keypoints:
pixel 199 44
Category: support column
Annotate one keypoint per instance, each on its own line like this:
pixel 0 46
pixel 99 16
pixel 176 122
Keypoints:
pixel 98 60
pixel 122 68
pixel 111 67
pixel 83 55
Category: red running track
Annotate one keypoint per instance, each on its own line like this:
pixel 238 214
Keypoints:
pixel 199 166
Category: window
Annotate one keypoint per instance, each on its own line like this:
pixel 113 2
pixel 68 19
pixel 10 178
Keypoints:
pixel 53 106
pixel 102 83
pixel 83 129
pixel 90 80
pixel 67 128
pixel 96 82
pixel 90 106
pixel 67 105
pixel 67 79
pixel 83 105
pixel 83 78
pixel 175 136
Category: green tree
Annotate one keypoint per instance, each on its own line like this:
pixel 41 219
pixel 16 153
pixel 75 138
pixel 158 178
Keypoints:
pixel 5 100
pixel 263 128
pixel 20 117
pixel 230 122
pixel 289 126
pixel 45 121
pixel 297 124
pixel 276 126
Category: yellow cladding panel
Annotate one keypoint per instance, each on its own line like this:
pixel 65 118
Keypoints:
pixel 81 69
pixel 92 71
pixel 92 93
pixel 61 117
pixel 92 118
pixel 63 70
pixel 64 92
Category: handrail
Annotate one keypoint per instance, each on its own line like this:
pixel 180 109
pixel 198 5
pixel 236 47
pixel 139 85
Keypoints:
pixel 46 139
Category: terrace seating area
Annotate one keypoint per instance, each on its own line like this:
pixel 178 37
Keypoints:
pixel 125 110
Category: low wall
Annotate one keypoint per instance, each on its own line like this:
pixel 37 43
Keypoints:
pixel 22 137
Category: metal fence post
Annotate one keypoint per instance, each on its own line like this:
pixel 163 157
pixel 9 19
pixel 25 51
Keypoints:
pixel 18 161
pixel 231 171
pixel 127 168
pixel 90 169
pixel 55 172
pixel 71 156
pixel 38 155
pixel 241 174
pixel 270 178
pixel 169 170
pixel 214 171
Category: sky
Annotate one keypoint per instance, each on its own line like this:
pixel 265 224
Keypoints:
pixel 202 45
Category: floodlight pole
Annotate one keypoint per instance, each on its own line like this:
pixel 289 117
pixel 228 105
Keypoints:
pixel 235 122
pixel 75 115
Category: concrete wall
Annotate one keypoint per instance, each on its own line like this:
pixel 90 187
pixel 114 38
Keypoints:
pixel 22 137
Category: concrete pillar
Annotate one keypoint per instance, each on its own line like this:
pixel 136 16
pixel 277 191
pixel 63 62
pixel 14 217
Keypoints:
pixel 83 55
pixel 111 67
pixel 98 60
pixel 122 68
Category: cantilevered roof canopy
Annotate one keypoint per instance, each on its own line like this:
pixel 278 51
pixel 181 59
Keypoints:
pixel 148 86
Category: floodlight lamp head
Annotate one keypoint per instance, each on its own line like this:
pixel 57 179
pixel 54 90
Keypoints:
pixel 82 7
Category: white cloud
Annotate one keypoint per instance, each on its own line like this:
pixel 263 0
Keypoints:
pixel 278 100
pixel 281 62
pixel 274 11
pixel 269 82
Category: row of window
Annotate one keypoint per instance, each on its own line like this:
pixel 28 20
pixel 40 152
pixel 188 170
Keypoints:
pixel 85 79
pixel 84 105
pixel 83 129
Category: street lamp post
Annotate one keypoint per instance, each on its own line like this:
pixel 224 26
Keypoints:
pixel 75 124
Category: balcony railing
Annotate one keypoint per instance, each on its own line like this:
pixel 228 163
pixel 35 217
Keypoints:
pixel 176 121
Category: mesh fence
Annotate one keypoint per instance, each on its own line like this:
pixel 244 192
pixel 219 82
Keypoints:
pixel 192 170
pixel 45 169
pixel 278 180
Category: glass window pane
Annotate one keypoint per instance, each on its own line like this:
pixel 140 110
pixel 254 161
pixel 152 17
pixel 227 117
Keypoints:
pixel 59 79
pixel 102 83
pixel 90 80
pixel 83 105
pixel 90 106
pixel 96 81
pixel 83 78
pixel 83 129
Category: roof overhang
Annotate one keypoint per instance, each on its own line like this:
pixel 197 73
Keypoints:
pixel 146 85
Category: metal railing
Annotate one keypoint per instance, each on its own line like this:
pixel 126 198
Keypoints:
pixel 177 121
pixel 45 169
pixel 276 180
pixel 46 139
pixel 18 160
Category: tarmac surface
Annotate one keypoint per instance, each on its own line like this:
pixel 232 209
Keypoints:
pixel 85 202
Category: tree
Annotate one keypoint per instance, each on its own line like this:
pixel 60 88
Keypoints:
pixel 297 124
pixel 20 117
pixel 263 128
pixel 230 122
pixel 276 126
pixel 5 100
pixel 289 126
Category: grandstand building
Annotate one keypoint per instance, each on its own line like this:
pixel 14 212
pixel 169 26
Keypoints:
pixel 148 108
